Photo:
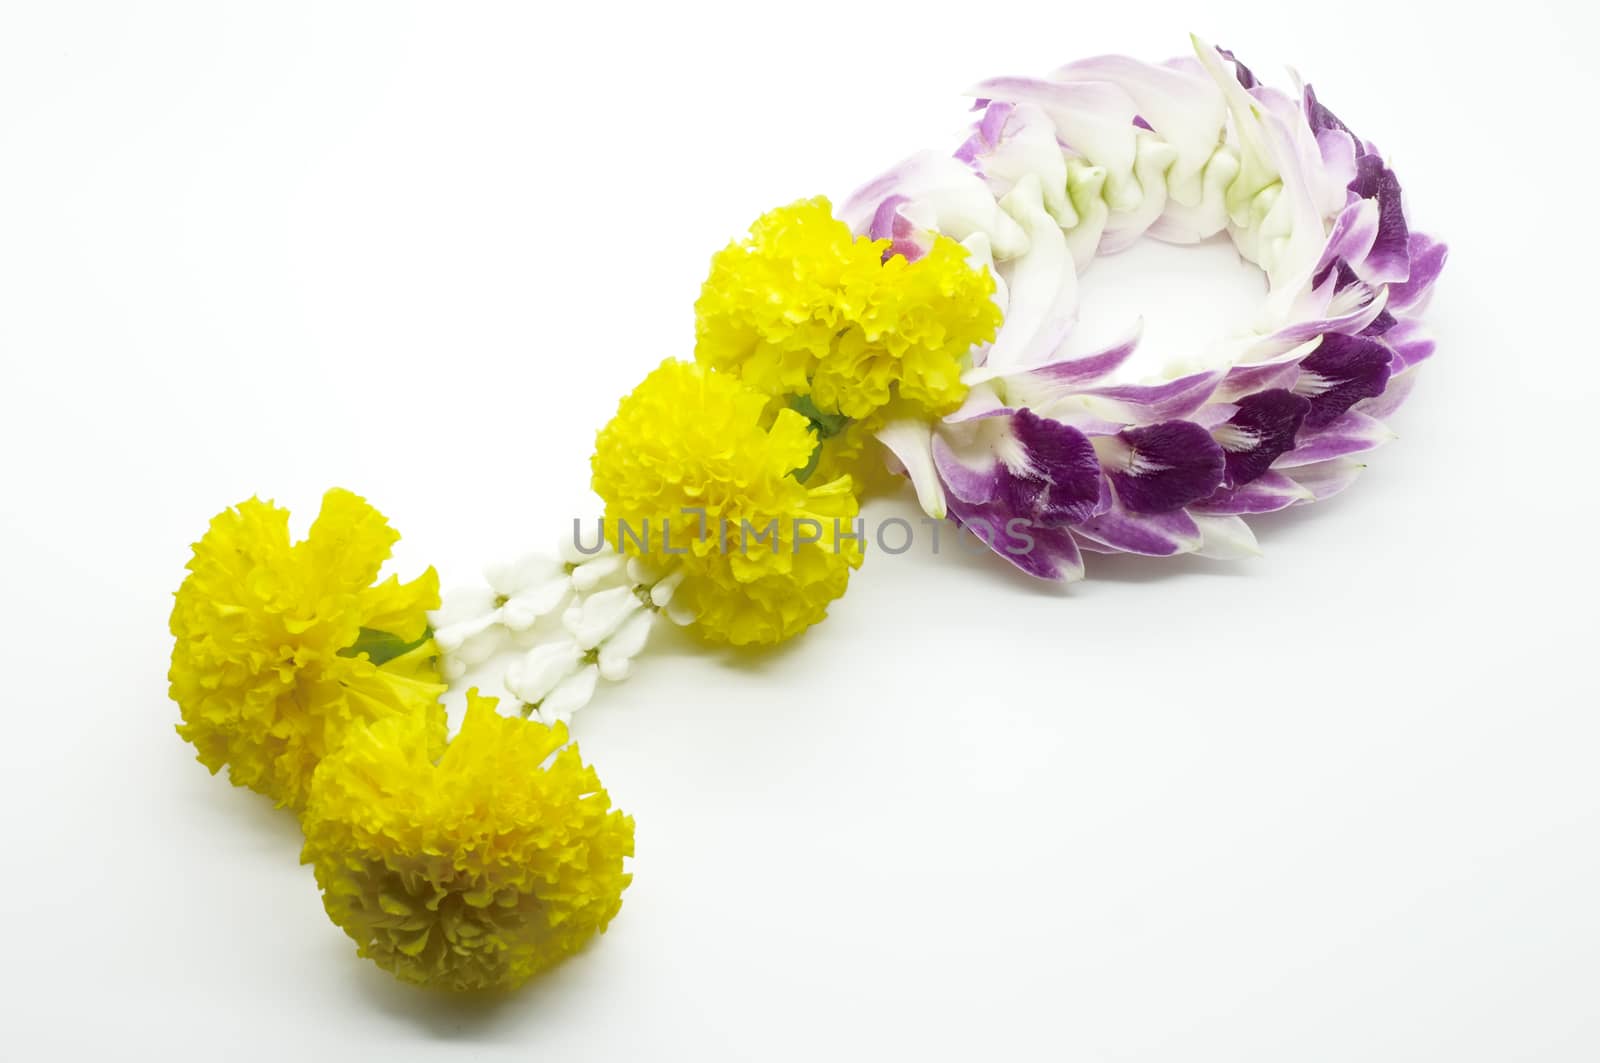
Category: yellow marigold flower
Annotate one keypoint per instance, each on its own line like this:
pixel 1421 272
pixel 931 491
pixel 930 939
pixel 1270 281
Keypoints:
pixel 475 872
pixel 283 648
pixel 804 308
pixel 769 552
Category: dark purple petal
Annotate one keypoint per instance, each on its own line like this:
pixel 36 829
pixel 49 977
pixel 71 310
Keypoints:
pixel 1160 535
pixel 1267 493
pixel 1264 428
pixel 1342 371
pixel 1163 467
pixel 1044 553
pixel 1380 324
pixel 1319 118
pixel 1427 257
pixel 1139 121
pixel 1050 473
pixel 1240 71
pixel 1062 481
pixel 1389 259
pixel 1344 276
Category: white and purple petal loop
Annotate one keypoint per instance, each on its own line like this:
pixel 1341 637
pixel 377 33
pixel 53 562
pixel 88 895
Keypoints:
pixel 1060 448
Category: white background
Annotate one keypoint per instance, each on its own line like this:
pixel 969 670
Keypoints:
pixel 1338 803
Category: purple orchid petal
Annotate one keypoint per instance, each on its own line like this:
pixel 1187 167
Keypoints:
pixel 905 237
pixel 1427 257
pixel 1389 260
pixel 1243 380
pixel 1410 343
pixel 1263 428
pixel 1267 493
pixel 1147 403
pixel 986 133
pixel 882 226
pixel 1038 469
pixel 1349 433
pixel 1319 118
pixel 1394 396
pixel 1353 306
pixel 1240 71
pixel 1162 467
pixel 1354 232
pixel 1380 324
pixel 1339 373
pixel 1094 118
pixel 1061 479
pixel 973 481
pixel 955 201
pixel 1159 535
pixel 1047 383
pixel 1339 152
pixel 1044 553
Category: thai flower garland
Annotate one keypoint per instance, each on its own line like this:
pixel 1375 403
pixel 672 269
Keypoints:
pixel 917 333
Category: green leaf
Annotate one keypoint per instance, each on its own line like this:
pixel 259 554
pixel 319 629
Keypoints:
pixel 382 647
pixel 823 425
pixel 826 425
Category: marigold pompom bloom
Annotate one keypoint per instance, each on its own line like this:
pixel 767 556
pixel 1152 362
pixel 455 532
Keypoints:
pixel 803 307
pixel 283 648
pixel 769 552
pixel 475 872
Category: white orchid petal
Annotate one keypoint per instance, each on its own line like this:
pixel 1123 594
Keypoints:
pixel 570 695
pixel 642 573
pixel 911 442
pixel 1043 286
pixel 541 669
pixel 462 604
pixel 523 610
pixel 631 637
pixel 1225 537
pixel 473 641
pixel 601 614
pixel 529 571
pixel 591 574
pixel 662 592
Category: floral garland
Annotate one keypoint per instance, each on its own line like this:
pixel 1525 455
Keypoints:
pixel 918 333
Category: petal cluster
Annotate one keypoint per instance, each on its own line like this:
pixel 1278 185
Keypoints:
pixel 1050 453
pixel 473 870
pixel 804 307
pixel 283 649
pixel 696 470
